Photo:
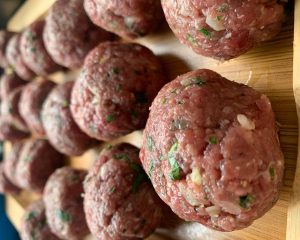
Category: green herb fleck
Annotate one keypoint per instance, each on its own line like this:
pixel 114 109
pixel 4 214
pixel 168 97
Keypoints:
pixel 140 97
pixel 175 168
pixel 139 179
pixel 219 18
pixel 121 156
pixel 205 32
pixel 30 216
pixel 161 157
pixel 112 189
pixel 63 216
pixel 109 146
pixel 213 140
pixel 151 168
pixel 179 124
pixel 198 81
pixel 110 118
pixel 65 103
pixel 32 49
pixel 272 172
pixel 42 223
pixel 150 143
pixel 191 39
pixel 246 201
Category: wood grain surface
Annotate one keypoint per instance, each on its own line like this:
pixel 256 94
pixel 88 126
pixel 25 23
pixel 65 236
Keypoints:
pixel 267 68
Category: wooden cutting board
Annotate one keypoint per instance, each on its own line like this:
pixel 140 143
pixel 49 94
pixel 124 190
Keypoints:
pixel 267 68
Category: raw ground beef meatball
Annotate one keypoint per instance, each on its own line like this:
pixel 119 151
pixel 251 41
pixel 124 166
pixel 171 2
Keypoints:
pixel 34 224
pixel 15 59
pixel 6 186
pixel 12 125
pixel 8 83
pixel 4 38
pixel 212 151
pixel 34 52
pixel 37 161
pixel 119 201
pixel 31 103
pixel 61 130
pixel 11 160
pixel 127 18
pixel 113 93
pixel 223 29
pixel 69 34
pixel 64 203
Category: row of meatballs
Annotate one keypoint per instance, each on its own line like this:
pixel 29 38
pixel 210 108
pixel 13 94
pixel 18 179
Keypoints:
pixel 220 29
pixel 115 199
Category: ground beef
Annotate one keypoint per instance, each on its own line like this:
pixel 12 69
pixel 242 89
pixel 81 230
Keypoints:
pixel 8 83
pixel 34 224
pixel 223 29
pixel 38 160
pixel 64 203
pixel 5 185
pixel 69 35
pixel 119 201
pixel 126 18
pixel 34 52
pixel 212 151
pixel 62 131
pixel 11 159
pixel 4 38
pixel 113 93
pixel 12 125
pixel 15 59
pixel 31 103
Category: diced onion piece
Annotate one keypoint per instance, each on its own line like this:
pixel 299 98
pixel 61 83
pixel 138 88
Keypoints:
pixel 188 195
pixel 213 211
pixel 245 122
pixel 102 172
pixel 214 23
pixel 196 176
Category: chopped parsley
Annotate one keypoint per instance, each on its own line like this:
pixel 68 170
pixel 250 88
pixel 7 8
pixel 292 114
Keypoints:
pixel 205 32
pixel 65 103
pixel 175 168
pixel 150 143
pixel 151 168
pixel 164 101
pixel 246 201
pixel 219 18
pixel 112 189
pixel 191 39
pixel 63 215
pixel 139 179
pixel 30 216
pixel 198 81
pixel 110 118
pixel 135 166
pixel 121 156
pixel 109 146
pixel 213 140
pixel 272 172
pixel 179 124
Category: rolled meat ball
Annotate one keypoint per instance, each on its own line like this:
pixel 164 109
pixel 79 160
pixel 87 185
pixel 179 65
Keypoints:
pixel 12 125
pixel 4 38
pixel 211 149
pixel 64 203
pixel 117 84
pixel 69 34
pixel 37 161
pixel 223 29
pixel 61 130
pixel 30 106
pixel 15 60
pixel 6 186
pixel 9 82
pixel 34 223
pixel 119 201
pixel 127 18
pixel 34 52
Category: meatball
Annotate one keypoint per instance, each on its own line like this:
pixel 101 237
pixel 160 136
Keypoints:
pixel 69 35
pixel 119 201
pixel 62 131
pixel 8 83
pixel 127 18
pixel 12 125
pixel 15 59
pixel 5 185
pixel 223 29
pixel 32 99
pixel 11 160
pixel 34 223
pixel 212 151
pixel 4 38
pixel 113 93
pixel 34 52
pixel 37 161
pixel 64 203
